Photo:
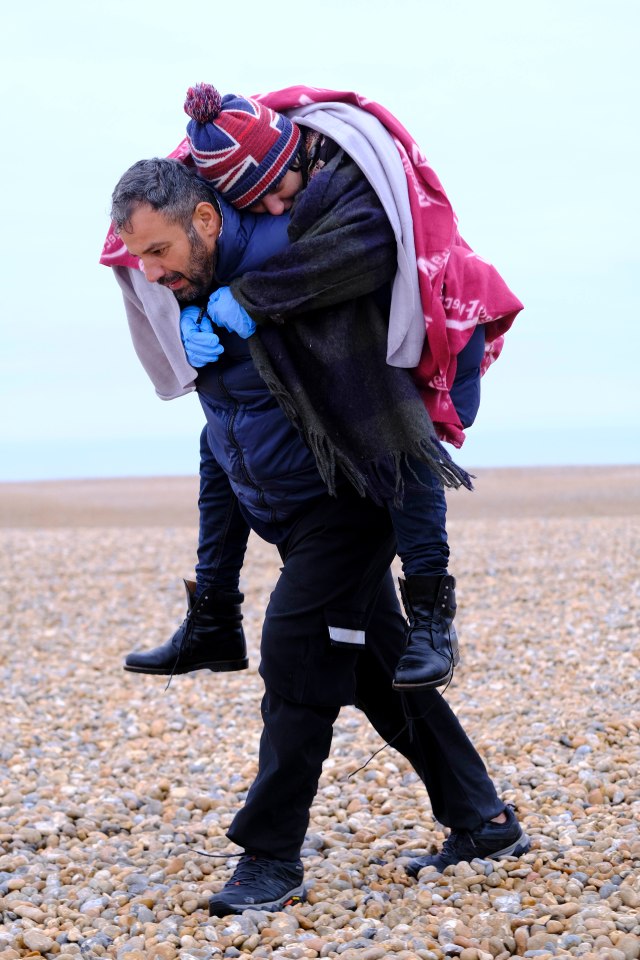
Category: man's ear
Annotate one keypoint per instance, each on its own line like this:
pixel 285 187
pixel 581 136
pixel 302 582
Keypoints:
pixel 206 220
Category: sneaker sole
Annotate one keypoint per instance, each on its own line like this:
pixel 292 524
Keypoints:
pixel 222 908
pixel 516 849
pixel 224 666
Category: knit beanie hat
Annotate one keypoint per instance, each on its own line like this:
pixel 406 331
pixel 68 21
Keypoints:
pixel 240 145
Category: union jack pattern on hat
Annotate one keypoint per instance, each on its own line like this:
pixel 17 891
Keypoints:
pixel 240 145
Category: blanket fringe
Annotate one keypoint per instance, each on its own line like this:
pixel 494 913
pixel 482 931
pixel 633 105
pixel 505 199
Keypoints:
pixel 440 462
pixel 382 479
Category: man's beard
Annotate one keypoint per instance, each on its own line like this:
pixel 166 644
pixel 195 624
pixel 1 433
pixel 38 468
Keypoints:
pixel 200 271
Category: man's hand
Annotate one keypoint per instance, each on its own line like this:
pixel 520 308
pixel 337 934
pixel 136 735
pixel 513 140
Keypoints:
pixel 225 310
pixel 201 344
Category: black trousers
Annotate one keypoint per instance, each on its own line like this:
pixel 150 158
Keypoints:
pixel 335 582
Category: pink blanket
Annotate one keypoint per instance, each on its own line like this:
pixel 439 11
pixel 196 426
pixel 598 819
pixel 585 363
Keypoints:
pixel 458 289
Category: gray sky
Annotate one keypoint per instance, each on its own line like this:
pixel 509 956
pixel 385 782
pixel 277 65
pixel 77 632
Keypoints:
pixel 526 110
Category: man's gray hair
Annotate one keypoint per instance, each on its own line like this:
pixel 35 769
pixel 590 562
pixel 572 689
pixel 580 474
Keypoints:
pixel 165 185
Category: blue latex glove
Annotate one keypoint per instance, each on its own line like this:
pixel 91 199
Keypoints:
pixel 201 344
pixel 225 310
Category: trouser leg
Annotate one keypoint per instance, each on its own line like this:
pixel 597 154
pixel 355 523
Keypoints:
pixel 295 741
pixel 461 792
pixel 334 562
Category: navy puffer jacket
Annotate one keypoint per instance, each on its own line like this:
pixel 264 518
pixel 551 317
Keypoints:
pixel 271 470
pixel 269 467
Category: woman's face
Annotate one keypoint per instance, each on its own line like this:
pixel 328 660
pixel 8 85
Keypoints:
pixel 280 198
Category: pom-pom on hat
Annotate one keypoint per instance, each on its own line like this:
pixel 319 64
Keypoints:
pixel 240 145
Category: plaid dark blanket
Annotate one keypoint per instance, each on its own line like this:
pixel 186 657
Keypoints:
pixel 321 341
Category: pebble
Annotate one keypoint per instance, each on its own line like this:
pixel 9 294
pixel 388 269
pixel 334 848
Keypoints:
pixel 110 785
pixel 37 941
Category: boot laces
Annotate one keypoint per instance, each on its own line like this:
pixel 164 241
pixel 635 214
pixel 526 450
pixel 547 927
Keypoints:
pixel 427 621
pixel 184 645
pixel 409 718
pixel 409 725
pixel 450 648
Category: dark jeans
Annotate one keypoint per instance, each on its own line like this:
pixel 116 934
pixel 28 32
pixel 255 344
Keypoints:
pixel 420 525
pixel 465 392
pixel 335 579
pixel 223 532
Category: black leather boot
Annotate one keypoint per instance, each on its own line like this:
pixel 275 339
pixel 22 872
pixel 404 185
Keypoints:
pixel 431 650
pixel 210 637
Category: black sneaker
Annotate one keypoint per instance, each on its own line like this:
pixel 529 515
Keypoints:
pixel 260 884
pixel 491 841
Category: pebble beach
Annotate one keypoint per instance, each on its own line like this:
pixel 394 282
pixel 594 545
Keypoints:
pixel 116 790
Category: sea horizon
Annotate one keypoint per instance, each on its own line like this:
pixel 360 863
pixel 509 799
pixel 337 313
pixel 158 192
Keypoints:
pixel 178 455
